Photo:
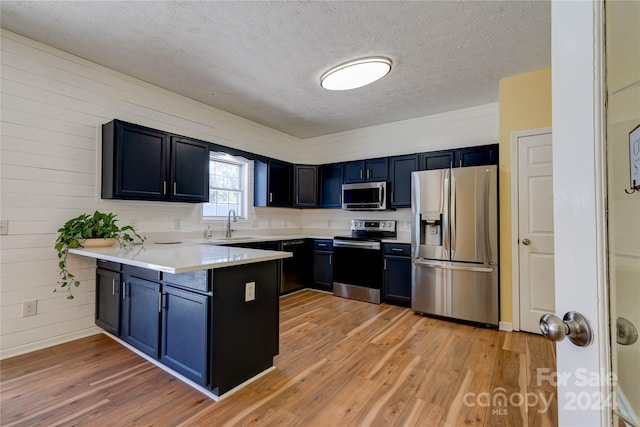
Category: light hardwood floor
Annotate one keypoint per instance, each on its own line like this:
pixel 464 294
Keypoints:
pixel 341 363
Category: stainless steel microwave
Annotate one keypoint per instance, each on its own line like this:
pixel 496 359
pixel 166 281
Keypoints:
pixel 366 196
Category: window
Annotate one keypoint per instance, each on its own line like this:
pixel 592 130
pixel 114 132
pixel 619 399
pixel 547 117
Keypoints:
pixel 228 186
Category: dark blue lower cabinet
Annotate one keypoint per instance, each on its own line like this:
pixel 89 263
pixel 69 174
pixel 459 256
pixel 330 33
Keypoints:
pixel 141 315
pixel 397 280
pixel 185 332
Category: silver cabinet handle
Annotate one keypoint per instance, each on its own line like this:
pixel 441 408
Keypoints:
pixel 297 199
pixel 270 197
pixel 175 188
pixel 113 286
pixel 360 173
pixel 322 244
pixel 159 302
pixel 124 289
pixel 385 264
pixel 164 187
pixel 368 173
pixel 573 324
pixel 330 259
pixel 397 250
pixel 526 242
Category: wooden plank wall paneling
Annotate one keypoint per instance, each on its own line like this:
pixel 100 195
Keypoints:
pixel 52 106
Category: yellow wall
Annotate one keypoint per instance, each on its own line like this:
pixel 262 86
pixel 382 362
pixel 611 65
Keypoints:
pixel 525 103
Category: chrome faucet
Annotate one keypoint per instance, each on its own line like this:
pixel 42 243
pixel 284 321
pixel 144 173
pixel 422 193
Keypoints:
pixel 228 232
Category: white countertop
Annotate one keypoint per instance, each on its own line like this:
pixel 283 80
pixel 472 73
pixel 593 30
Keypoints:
pixel 182 257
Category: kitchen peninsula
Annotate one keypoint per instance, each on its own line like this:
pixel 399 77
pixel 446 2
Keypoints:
pixel 208 312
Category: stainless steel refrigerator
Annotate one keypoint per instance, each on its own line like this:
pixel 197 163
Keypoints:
pixel 454 243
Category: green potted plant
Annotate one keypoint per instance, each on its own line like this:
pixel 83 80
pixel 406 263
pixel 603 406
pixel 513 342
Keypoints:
pixel 89 230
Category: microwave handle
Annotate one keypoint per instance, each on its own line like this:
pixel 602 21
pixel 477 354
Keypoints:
pixel 382 195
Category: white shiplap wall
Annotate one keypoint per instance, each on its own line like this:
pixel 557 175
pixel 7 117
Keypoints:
pixel 461 128
pixel 52 107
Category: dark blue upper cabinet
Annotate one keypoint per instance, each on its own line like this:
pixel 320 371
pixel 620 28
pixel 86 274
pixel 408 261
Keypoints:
pixel 353 171
pixel 477 156
pixel 273 183
pixel 436 160
pixel 134 162
pixel 189 170
pixel 366 170
pixel 305 184
pixel 400 168
pixel 459 157
pixel 140 163
pixel 331 186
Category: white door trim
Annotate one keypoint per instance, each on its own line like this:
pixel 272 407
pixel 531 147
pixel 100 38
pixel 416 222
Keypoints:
pixel 515 218
pixel 579 188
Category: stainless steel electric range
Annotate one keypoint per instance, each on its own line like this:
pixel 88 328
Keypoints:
pixel 358 260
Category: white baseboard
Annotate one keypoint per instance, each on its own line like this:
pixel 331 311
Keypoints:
pixel 49 342
pixel 505 326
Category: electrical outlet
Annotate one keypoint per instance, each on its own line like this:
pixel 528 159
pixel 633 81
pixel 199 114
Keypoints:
pixel 29 308
pixel 177 224
pixel 4 226
pixel 249 291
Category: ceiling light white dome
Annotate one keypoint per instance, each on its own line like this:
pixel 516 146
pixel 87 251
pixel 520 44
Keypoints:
pixel 356 73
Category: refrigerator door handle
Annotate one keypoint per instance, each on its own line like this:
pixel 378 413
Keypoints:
pixel 446 217
pixel 446 266
pixel 452 215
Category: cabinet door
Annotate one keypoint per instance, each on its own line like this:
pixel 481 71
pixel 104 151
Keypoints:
pixel 397 280
pixel 189 170
pixel 323 270
pixel 108 300
pixel 400 168
pixel 477 156
pixel 141 159
pixel 185 333
pixel 141 315
pixel 306 186
pixel 436 160
pixel 331 186
pixel 353 172
pixel 377 169
pixel 280 185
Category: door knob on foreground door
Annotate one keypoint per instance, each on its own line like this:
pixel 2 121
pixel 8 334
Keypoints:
pixel 526 242
pixel 574 325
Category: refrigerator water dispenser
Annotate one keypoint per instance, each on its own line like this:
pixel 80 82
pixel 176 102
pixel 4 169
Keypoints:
pixel 431 228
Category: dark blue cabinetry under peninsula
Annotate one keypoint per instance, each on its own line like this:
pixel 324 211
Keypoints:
pixel 370 170
pixel 108 297
pixel 140 163
pixel 397 273
pixel 140 324
pixel 185 328
pixel 216 327
pixel 330 186
pixel 400 168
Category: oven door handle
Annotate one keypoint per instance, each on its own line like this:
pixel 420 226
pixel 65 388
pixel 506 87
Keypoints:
pixel 356 245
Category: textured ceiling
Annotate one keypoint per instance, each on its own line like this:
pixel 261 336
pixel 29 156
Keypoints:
pixel 263 60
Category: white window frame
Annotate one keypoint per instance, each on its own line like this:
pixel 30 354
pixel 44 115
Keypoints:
pixel 246 185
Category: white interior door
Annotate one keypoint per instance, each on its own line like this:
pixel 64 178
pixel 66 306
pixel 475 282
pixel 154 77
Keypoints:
pixel 535 227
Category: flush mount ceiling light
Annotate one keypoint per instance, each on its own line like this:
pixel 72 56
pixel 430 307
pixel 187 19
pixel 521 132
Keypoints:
pixel 356 73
